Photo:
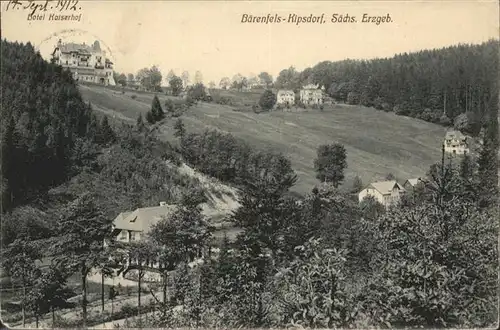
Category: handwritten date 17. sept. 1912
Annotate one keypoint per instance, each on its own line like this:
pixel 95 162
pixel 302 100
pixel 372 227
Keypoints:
pixel 36 7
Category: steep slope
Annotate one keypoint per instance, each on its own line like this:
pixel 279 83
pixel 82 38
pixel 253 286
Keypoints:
pixel 377 142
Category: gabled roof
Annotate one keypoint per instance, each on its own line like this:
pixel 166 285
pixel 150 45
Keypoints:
pixel 385 187
pixel 413 182
pixel 71 47
pixel 455 135
pixel 142 219
pixel 285 91
pixel 311 86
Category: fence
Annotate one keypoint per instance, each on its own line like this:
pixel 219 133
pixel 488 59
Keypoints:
pixel 121 306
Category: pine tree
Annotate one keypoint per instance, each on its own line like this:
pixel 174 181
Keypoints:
pixel 8 163
pixel 488 166
pixel 93 128
pixel 357 185
pixel 61 155
pixel 180 130
pixel 82 230
pixel 140 123
pixel 466 167
pixel 106 133
pixel 156 110
pixel 331 163
pixel 150 117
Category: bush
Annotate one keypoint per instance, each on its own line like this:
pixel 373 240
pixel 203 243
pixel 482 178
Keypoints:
pixel 305 290
pixel 352 98
pixel 222 100
pixel 169 106
pixel 197 92
pixel 444 120
pixel 189 101
pixel 431 260
pixel 401 109
pixel 133 96
pixel 267 100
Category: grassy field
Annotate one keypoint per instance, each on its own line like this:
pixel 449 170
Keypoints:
pixel 377 143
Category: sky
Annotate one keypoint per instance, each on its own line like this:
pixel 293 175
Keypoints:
pixel 209 36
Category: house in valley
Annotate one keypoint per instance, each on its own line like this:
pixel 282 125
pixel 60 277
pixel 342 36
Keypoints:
pixel 412 184
pixel 386 193
pixel 87 63
pixel 134 226
pixel 455 143
pixel 285 97
pixel 311 95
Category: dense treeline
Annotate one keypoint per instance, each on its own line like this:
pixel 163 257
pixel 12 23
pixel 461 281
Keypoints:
pixel 434 85
pixel 231 160
pixel 43 120
pixel 324 261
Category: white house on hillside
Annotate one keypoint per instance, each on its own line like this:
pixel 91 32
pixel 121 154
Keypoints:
pixel 87 63
pixel 285 97
pixel 385 192
pixel 311 94
pixel 455 143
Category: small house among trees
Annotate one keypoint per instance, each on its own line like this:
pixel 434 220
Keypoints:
pixel 455 143
pixel 386 193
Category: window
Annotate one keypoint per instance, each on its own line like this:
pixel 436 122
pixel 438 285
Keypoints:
pixel 132 236
pixel 123 235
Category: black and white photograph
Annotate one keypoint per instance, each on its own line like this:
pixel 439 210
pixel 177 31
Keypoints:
pixel 249 164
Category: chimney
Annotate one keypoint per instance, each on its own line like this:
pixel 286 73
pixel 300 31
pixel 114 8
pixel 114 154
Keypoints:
pixel 163 203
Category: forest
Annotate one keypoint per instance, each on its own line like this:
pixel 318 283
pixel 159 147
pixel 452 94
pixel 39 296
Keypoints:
pixel 320 260
pixel 438 85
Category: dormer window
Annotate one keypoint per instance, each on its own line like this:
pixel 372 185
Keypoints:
pixel 133 219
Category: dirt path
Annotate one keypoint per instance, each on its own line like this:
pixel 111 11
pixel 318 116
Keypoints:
pixel 121 322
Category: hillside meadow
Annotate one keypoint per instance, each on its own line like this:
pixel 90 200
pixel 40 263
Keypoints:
pixel 377 142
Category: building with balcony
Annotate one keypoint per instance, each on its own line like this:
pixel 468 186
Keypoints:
pixel 455 143
pixel 311 95
pixel 87 63
pixel 285 97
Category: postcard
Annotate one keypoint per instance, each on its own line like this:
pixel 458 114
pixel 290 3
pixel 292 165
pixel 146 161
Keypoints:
pixel 249 164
